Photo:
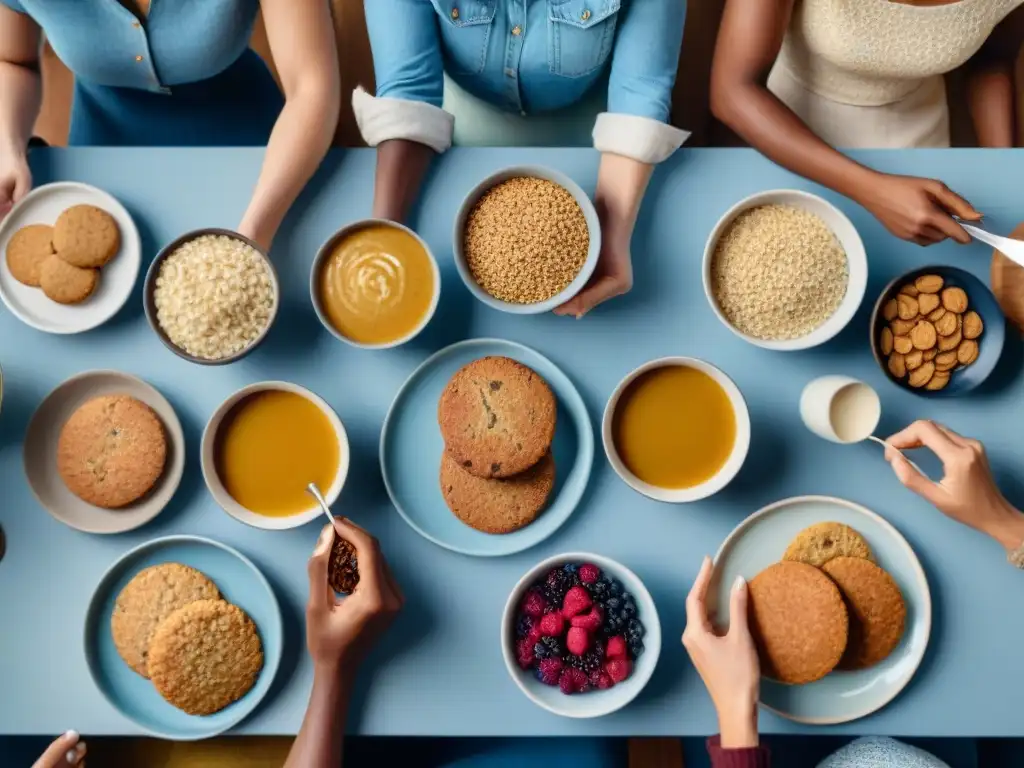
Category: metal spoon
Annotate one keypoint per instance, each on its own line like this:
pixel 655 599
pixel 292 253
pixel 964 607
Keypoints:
pixel 1012 249
pixel 313 491
pixel 885 445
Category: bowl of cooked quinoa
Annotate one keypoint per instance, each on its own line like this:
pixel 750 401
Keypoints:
pixel 526 240
pixel 785 270
pixel 211 296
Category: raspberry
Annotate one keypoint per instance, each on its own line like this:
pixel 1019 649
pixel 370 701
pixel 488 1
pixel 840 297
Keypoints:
pixel 589 573
pixel 604 681
pixel 618 669
pixel 577 641
pixel 534 604
pixel 524 653
pixel 573 680
pixel 549 671
pixel 594 676
pixel 577 600
pixel 616 648
pixel 534 635
pixel 552 625
pixel 589 621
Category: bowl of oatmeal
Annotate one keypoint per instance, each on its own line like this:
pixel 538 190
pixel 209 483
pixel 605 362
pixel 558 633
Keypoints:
pixel 211 296
pixel 785 270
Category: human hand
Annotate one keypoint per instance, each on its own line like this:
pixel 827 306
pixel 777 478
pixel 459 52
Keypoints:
pixel 339 632
pixel 15 179
pixel 727 664
pixel 67 749
pixel 613 276
pixel 967 492
pixel 916 209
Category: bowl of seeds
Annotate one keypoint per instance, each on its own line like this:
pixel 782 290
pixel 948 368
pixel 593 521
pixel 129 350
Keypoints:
pixel 526 240
pixel 785 270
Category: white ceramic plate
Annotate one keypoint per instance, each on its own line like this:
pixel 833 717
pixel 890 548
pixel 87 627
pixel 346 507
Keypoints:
pixel 40 453
pixel 760 541
pixel 42 206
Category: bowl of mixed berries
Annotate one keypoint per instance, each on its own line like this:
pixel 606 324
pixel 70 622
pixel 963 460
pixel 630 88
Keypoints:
pixel 580 635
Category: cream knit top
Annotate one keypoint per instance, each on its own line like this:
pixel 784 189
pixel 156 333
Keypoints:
pixel 874 52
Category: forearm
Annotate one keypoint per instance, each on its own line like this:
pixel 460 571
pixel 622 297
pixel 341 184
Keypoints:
pixel 621 183
pixel 298 143
pixel 738 728
pixel 321 739
pixel 1005 524
pixel 401 167
pixel 20 98
pixel 992 101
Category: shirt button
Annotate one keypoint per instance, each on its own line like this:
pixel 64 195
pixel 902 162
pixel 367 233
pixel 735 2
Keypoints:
pixel 455 13
pixel 510 72
pixel 136 24
pixel 138 58
pixel 517 30
pixel 585 15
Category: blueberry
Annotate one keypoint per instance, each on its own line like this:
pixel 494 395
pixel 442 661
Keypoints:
pixel 636 648
pixel 570 568
pixel 540 651
pixel 553 645
pixel 612 604
pixel 524 626
pixel 616 588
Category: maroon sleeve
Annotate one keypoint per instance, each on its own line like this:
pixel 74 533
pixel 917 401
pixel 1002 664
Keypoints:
pixel 748 757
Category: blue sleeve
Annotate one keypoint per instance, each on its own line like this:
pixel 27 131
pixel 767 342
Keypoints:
pixel 646 58
pixel 406 46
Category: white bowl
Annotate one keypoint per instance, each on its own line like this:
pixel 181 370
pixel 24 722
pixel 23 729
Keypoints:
pixel 713 484
pixel 325 251
pixel 594 703
pixel 844 231
pixel 220 493
pixel 589 213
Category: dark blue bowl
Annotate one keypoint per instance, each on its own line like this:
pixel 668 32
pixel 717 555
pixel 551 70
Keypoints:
pixel 990 343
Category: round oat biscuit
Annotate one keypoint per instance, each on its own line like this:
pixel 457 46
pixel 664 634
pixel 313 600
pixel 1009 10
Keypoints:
pixel 923 336
pixel 885 342
pixel 205 656
pixel 929 283
pixel 972 325
pixel 898 365
pixel 86 236
pixel 902 344
pixel 876 609
pixel 111 451
pixel 967 352
pixel 954 300
pixel 27 250
pixel 497 506
pixel 821 542
pixel 65 284
pixel 928 303
pixel 149 598
pixel 497 417
pixel 798 620
pixel 920 376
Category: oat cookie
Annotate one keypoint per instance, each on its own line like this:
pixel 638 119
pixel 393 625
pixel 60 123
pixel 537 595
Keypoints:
pixel 886 341
pixel 954 299
pixel 909 290
pixel 928 303
pixel 86 236
pixel 902 344
pixel 936 314
pixel 497 506
pixel 923 336
pixel 972 325
pixel 898 365
pixel 902 327
pixel 947 324
pixel 890 310
pixel 914 359
pixel 938 381
pixel 876 609
pixel 27 250
pixel 205 656
pixel 967 352
pixel 149 598
pixel 819 543
pixel 111 451
pixel 946 343
pixel 929 283
pixel 798 620
pixel 497 417
pixel 929 354
pixel 921 376
pixel 66 284
pixel 908 307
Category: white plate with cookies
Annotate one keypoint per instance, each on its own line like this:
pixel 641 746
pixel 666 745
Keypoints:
pixel 104 452
pixel 71 256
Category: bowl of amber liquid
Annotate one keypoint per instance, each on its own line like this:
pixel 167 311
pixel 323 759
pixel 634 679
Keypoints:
pixel 676 430
pixel 264 445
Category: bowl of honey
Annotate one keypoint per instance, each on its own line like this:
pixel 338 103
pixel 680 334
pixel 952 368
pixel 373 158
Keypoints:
pixel 676 430
pixel 264 445
pixel 375 284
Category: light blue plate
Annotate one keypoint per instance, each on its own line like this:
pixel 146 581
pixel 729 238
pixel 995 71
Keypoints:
pixel 760 541
pixel 411 447
pixel 239 581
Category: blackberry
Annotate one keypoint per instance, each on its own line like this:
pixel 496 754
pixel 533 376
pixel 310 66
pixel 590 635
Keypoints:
pixel 588 662
pixel 524 626
pixel 553 646
pixel 598 590
pixel 616 587
pixel 634 629
pixel 626 597
pixel 541 651
pixel 612 605
pixel 636 648
pixel 629 609
pixel 556 585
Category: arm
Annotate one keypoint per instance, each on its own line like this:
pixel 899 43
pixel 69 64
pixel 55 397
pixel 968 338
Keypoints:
pixel 301 36
pixel 749 40
pixel 405 120
pixel 990 84
pixel 633 136
pixel 20 98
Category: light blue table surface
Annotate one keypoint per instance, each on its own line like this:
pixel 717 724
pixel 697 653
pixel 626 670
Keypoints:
pixel 439 671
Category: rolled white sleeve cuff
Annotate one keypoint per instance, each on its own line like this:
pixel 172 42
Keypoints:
pixel 640 138
pixel 384 118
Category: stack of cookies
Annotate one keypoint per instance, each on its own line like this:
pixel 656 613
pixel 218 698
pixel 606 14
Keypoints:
pixel 171 625
pixel 64 260
pixel 826 606
pixel 497 419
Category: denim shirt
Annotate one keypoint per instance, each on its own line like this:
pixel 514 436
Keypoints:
pixel 529 56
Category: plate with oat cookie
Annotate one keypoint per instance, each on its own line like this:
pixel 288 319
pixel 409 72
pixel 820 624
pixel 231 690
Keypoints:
pixel 937 331
pixel 70 257
pixel 158 616
pixel 104 452
pixel 487 448
pixel 839 606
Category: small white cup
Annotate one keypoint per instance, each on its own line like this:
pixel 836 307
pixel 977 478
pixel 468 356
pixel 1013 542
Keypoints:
pixel 841 409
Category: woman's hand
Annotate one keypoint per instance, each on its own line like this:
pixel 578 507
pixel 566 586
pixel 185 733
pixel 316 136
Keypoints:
pixel 15 179
pixel 613 276
pixel 339 632
pixel 915 209
pixel 727 664
pixel 967 492
pixel 66 750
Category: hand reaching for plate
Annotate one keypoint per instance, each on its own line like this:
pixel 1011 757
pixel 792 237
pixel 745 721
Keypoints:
pixel 67 749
